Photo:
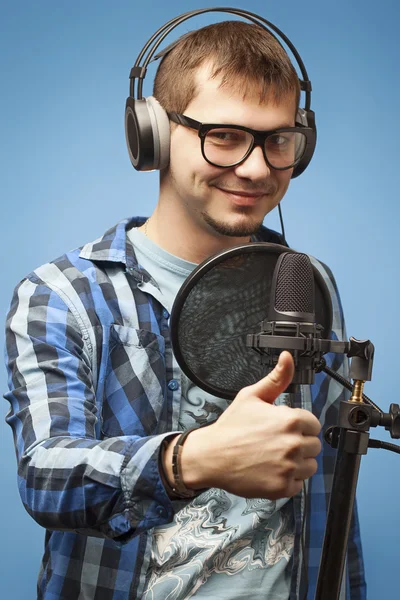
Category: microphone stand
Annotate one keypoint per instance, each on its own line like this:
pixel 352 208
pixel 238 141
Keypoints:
pixel 350 436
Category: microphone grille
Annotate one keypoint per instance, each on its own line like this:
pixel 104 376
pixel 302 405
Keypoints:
pixel 295 284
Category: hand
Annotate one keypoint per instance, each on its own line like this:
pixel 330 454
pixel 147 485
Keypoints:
pixel 255 449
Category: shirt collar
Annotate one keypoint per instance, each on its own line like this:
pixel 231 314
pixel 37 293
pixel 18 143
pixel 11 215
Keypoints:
pixel 115 246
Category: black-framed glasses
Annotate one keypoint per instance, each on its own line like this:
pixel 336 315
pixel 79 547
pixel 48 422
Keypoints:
pixel 229 145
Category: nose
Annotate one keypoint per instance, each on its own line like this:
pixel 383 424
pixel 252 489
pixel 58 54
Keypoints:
pixel 254 167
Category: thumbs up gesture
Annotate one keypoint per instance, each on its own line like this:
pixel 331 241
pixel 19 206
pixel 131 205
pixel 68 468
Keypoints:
pixel 255 449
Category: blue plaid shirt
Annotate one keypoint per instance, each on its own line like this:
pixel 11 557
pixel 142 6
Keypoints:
pixel 89 359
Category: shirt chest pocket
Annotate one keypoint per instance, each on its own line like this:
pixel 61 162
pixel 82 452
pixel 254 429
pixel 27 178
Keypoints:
pixel 135 382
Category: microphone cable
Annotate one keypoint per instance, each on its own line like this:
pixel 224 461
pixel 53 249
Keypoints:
pixel 372 443
pixel 282 226
pixel 304 564
pixel 303 542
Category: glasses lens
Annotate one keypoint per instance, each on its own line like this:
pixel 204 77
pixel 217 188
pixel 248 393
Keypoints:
pixel 226 146
pixel 285 149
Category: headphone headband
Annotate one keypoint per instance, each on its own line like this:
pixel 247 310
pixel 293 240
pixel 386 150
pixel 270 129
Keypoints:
pixel 139 71
pixel 146 123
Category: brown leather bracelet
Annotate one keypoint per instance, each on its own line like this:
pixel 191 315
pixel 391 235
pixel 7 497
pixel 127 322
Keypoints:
pixel 170 491
pixel 179 487
pixel 178 490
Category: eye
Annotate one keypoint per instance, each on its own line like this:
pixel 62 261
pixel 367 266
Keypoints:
pixel 280 143
pixel 278 139
pixel 226 136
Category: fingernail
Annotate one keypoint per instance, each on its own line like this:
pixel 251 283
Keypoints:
pixel 279 365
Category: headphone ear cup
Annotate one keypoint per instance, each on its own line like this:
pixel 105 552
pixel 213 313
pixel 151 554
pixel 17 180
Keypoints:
pixel 147 134
pixel 138 134
pixel 161 133
pixel 307 119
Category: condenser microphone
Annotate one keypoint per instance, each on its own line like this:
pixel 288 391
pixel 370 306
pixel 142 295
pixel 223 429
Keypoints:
pixel 222 313
pixel 291 317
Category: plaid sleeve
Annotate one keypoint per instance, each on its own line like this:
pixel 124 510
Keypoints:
pixel 67 478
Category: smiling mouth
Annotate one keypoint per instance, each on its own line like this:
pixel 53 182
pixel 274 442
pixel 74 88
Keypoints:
pixel 242 198
pixel 244 194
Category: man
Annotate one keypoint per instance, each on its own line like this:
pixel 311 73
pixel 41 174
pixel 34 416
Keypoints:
pixel 133 509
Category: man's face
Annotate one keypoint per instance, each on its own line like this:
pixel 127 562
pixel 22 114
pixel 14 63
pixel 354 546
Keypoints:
pixel 228 201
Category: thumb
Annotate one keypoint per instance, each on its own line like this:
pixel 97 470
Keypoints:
pixel 276 382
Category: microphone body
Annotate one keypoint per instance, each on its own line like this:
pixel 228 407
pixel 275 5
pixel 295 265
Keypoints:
pixel 291 317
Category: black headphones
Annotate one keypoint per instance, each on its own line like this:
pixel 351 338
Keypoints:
pixel 147 127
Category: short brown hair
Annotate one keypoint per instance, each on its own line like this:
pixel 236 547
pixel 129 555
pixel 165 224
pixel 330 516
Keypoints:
pixel 243 54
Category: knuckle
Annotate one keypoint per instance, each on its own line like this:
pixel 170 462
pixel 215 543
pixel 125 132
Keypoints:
pixel 294 419
pixel 288 469
pixel 294 447
pixel 241 395
pixel 282 488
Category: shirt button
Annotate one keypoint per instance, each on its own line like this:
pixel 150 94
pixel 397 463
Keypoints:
pixel 173 385
pixel 165 313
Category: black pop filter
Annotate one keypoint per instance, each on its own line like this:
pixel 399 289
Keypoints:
pixel 224 299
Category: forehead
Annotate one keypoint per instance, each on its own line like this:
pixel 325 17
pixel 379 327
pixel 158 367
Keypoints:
pixel 238 103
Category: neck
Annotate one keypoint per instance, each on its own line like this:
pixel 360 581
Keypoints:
pixel 190 239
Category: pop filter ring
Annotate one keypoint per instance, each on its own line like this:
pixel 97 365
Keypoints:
pixel 204 268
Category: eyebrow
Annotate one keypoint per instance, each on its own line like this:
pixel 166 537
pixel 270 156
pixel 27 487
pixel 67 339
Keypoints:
pixel 187 121
pixel 280 126
pixel 225 122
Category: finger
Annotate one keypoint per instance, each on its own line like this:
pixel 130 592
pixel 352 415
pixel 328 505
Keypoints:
pixel 311 446
pixel 304 421
pixel 269 388
pixel 306 469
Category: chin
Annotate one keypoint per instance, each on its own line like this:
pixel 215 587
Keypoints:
pixel 241 226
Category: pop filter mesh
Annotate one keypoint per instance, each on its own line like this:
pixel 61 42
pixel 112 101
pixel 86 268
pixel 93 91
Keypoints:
pixel 216 309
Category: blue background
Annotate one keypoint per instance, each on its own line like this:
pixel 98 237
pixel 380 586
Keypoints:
pixel 66 178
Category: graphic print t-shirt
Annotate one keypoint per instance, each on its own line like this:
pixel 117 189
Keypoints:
pixel 217 535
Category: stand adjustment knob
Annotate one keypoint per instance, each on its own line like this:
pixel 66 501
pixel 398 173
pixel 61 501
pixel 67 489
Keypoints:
pixel 394 426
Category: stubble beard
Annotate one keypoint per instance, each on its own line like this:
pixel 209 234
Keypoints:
pixel 245 228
